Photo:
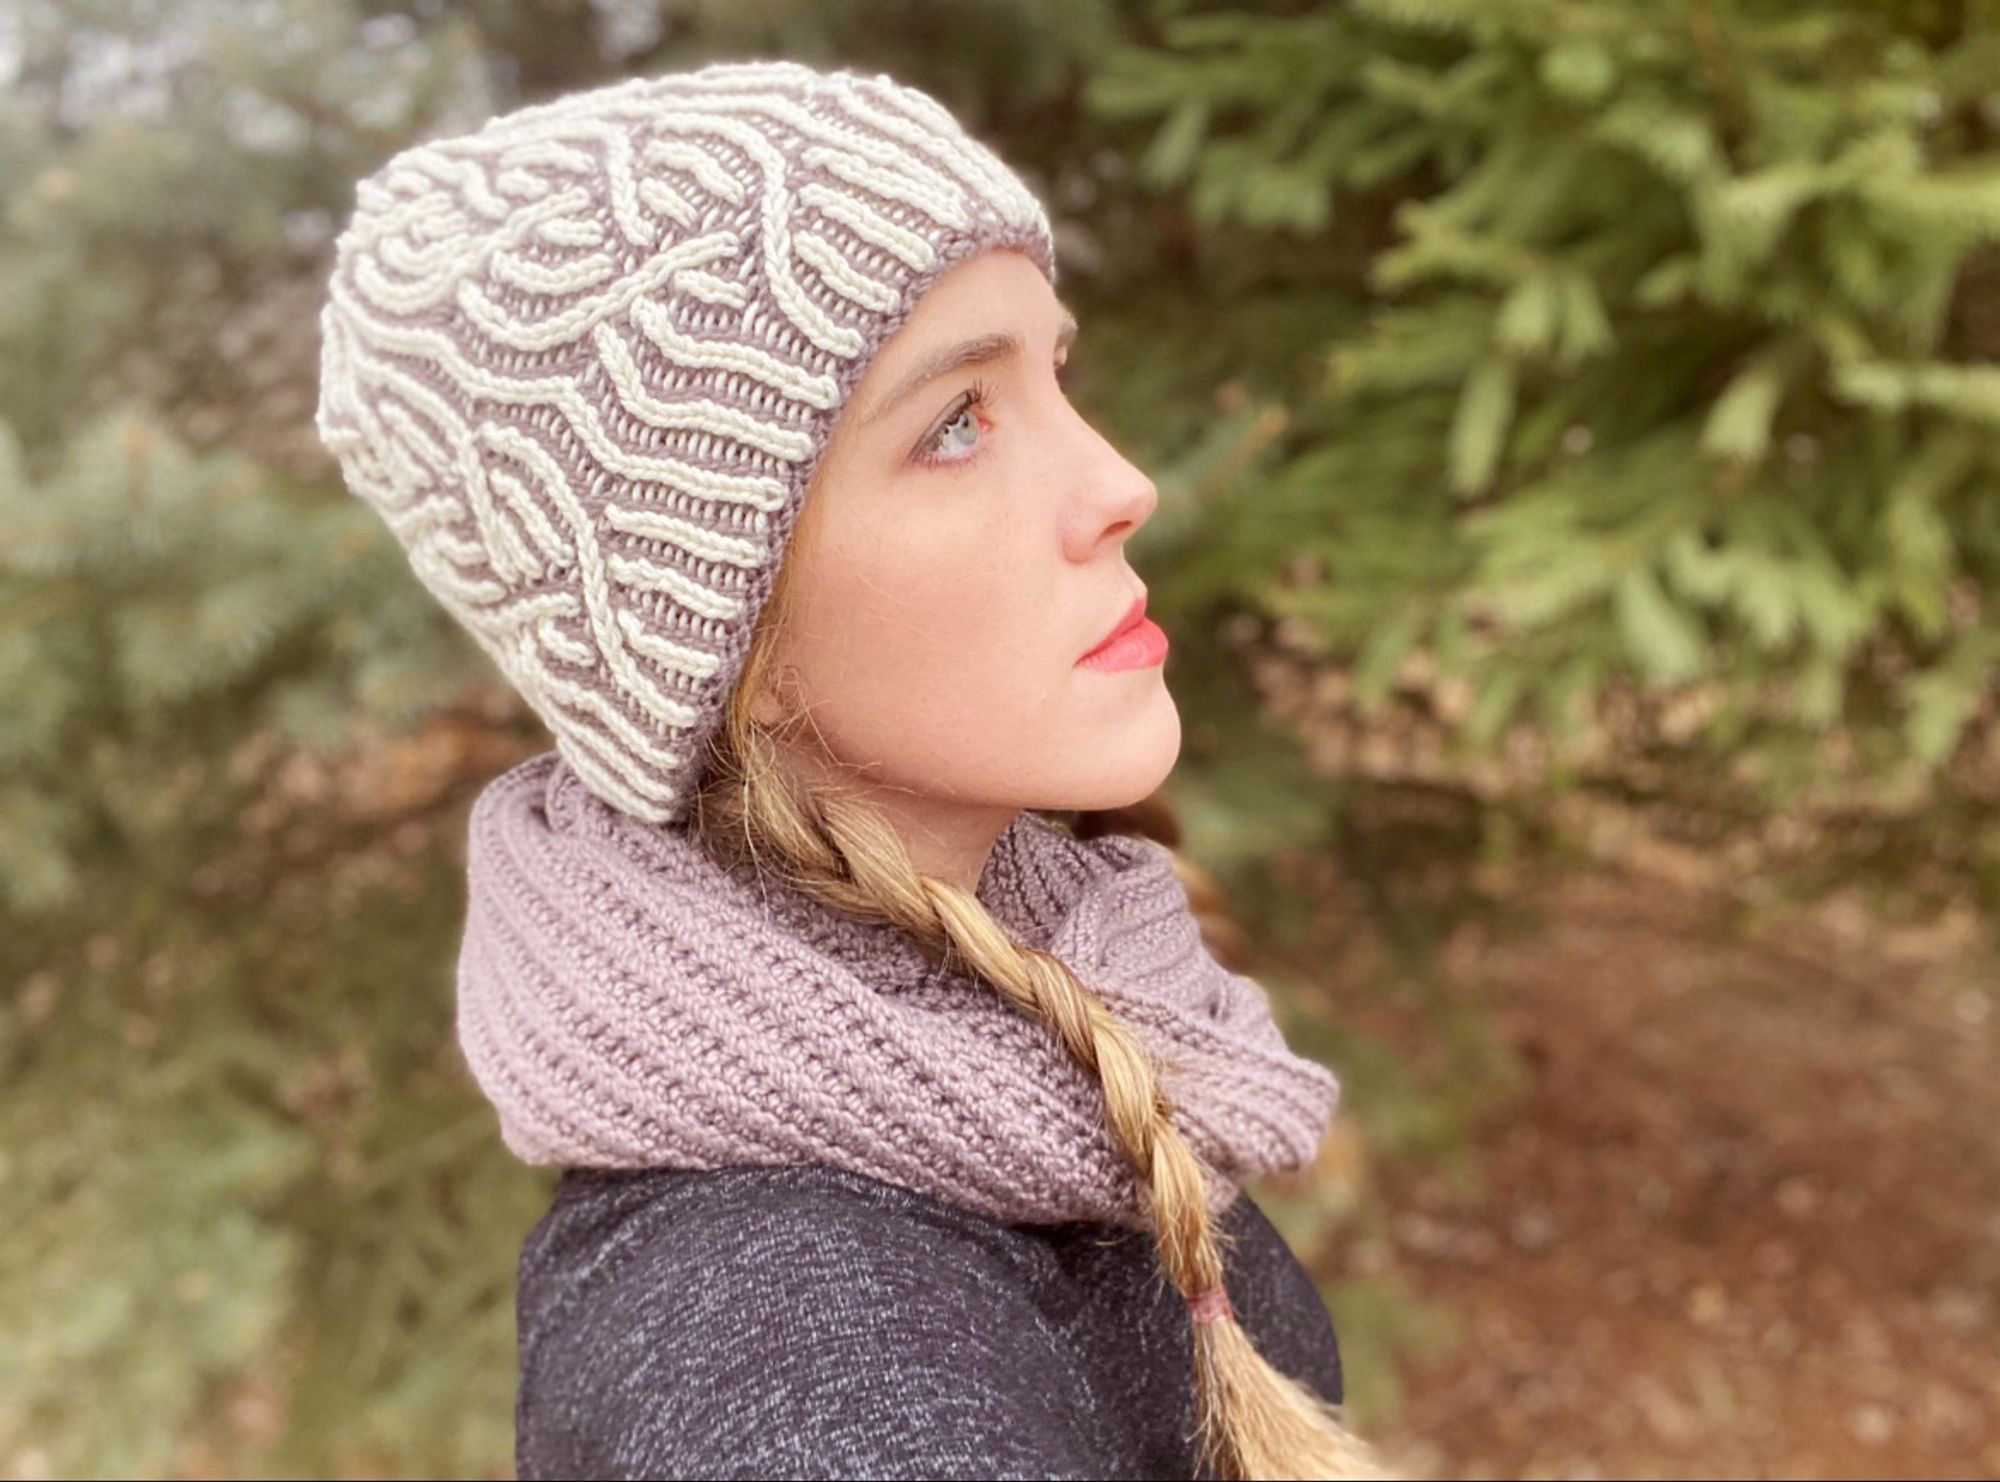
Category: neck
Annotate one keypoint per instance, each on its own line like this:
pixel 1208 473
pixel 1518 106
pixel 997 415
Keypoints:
pixel 947 839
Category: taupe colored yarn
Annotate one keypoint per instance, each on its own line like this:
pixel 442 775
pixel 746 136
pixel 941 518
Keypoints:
pixel 626 1002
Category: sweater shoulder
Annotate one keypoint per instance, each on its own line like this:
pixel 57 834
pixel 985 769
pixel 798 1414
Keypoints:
pixel 802 1221
pixel 787 1321
pixel 807 1320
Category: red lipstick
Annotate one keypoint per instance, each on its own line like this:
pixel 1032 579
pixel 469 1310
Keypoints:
pixel 1136 642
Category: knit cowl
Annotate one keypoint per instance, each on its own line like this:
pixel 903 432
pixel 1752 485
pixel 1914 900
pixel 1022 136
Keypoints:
pixel 627 1001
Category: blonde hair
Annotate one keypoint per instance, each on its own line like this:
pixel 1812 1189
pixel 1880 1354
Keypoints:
pixel 1254 1422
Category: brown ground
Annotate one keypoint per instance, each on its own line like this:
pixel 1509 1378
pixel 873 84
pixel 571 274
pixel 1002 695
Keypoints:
pixel 1744 1217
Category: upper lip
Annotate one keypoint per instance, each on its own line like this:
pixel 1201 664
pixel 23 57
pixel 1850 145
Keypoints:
pixel 1133 616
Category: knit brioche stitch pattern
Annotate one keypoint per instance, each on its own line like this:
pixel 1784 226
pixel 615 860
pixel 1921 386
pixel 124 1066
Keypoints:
pixel 586 360
pixel 626 1002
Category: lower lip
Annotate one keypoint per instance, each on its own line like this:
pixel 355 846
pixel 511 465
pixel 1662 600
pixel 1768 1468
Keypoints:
pixel 1138 647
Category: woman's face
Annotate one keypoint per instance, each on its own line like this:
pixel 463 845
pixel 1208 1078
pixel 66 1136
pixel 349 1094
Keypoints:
pixel 962 548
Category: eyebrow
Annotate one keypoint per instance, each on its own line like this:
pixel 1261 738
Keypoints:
pixel 980 350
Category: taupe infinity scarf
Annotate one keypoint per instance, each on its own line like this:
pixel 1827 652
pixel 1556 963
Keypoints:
pixel 625 1001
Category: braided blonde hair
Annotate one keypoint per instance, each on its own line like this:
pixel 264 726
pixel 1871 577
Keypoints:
pixel 1254 1422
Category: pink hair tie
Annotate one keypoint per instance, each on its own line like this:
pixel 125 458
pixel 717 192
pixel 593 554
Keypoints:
pixel 1211 1306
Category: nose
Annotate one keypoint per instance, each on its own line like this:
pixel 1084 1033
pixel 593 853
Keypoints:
pixel 1114 497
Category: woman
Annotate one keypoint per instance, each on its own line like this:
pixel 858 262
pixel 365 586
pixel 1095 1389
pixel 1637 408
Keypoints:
pixel 903 1113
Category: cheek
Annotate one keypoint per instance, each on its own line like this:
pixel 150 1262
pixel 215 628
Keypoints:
pixel 905 653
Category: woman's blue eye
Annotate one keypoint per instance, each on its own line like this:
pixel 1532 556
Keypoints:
pixel 937 450
pixel 963 419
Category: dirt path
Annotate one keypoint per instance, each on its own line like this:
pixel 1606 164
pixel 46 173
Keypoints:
pixel 1745 1218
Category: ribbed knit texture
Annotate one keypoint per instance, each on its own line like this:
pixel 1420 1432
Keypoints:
pixel 585 362
pixel 813 1323
pixel 625 1001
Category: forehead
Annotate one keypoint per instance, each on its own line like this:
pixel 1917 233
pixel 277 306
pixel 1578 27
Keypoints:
pixel 995 291
pixel 983 311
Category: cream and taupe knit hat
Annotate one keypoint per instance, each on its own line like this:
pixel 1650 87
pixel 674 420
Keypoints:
pixel 585 360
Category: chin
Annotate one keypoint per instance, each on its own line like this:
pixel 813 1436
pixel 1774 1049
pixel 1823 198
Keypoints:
pixel 1125 768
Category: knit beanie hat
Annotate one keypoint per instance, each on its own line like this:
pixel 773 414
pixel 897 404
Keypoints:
pixel 586 360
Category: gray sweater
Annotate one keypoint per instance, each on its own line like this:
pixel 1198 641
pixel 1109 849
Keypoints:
pixel 807 1321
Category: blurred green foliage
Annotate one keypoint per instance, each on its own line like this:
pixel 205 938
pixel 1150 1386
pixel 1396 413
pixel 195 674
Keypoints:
pixel 1676 366
pixel 1573 345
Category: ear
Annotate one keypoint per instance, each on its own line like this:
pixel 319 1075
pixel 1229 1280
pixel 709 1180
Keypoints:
pixel 764 710
pixel 767 706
